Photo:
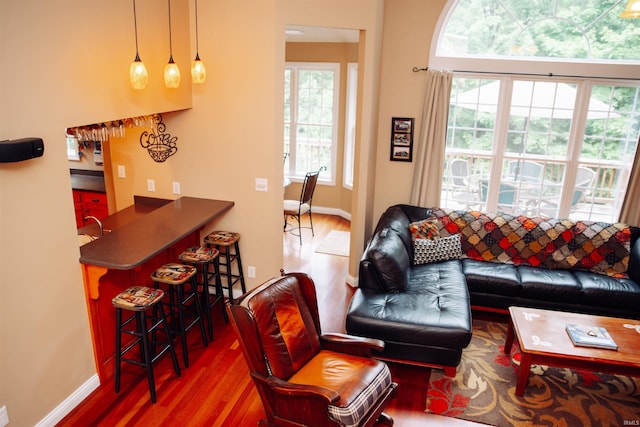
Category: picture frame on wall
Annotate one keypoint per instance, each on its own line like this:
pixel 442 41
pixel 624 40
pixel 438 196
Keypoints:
pixel 402 139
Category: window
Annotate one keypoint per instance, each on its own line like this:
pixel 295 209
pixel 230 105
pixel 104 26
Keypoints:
pixel 589 30
pixel 310 115
pixel 540 144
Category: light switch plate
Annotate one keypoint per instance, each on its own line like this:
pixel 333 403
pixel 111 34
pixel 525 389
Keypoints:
pixel 176 187
pixel 262 184
pixel 122 173
pixel 151 185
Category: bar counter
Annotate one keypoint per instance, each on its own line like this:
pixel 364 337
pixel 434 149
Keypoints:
pixel 137 241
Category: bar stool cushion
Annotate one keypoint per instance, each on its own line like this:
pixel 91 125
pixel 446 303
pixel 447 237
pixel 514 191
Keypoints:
pixel 137 298
pixel 222 238
pixel 173 273
pixel 199 254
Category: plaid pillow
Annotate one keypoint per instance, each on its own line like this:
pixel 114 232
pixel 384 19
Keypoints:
pixel 425 229
pixel 426 251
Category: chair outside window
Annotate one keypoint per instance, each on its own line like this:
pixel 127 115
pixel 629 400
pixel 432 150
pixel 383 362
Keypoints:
pixel 507 196
pixel 526 171
pixel 460 180
pixel 296 208
pixel 304 377
pixel 584 184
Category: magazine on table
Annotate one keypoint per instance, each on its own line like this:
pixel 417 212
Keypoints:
pixel 590 336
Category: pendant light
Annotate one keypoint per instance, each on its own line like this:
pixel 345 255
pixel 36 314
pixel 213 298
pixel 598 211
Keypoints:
pixel 632 10
pixel 137 72
pixel 171 70
pixel 198 72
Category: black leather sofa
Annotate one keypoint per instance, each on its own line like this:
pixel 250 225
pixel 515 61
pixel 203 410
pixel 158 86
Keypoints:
pixel 423 312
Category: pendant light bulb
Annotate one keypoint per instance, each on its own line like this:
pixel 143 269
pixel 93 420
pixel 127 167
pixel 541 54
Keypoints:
pixel 138 74
pixel 198 72
pixel 171 74
pixel 171 70
pixel 632 10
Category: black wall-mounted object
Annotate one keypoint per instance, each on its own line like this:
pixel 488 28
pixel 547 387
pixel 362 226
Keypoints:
pixel 18 150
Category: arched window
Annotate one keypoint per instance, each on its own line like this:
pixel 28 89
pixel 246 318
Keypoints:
pixel 545 106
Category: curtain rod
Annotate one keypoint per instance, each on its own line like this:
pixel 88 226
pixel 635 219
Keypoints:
pixel 417 69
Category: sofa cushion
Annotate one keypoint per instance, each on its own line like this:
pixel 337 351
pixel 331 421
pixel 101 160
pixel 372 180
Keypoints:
pixel 388 255
pixel 555 285
pixel 605 291
pixel 432 250
pixel 491 278
pixel 434 310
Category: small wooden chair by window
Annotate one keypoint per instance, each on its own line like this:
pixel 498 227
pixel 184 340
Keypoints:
pixel 304 377
pixel 296 208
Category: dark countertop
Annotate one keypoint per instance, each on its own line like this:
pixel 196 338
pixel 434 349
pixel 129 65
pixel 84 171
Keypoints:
pixel 142 231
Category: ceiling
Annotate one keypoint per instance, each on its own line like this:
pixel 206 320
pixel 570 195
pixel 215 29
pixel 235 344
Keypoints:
pixel 321 34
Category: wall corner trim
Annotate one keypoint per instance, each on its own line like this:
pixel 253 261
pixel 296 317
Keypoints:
pixel 63 409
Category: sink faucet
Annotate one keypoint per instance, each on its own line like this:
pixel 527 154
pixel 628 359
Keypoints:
pixel 96 220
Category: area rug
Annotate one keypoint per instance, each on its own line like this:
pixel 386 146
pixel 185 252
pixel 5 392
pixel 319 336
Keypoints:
pixel 336 243
pixel 484 390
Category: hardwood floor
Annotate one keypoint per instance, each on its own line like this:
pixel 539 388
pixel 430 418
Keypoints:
pixel 216 389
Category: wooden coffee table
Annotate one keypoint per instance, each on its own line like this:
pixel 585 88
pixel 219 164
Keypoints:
pixel 543 340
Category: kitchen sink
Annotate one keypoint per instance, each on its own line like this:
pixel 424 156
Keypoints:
pixel 83 239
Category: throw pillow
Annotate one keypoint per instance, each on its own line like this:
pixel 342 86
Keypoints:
pixel 426 251
pixel 425 229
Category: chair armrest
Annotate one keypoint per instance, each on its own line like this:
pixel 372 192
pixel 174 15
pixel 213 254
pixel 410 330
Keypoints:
pixel 285 388
pixel 351 344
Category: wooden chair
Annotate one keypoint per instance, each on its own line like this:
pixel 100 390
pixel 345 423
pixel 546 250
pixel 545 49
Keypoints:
pixel 297 208
pixel 305 378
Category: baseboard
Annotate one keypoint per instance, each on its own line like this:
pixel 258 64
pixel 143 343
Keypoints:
pixel 70 402
pixel 352 281
pixel 332 211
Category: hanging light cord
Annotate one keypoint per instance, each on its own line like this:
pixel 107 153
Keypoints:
pixel 135 27
pixel 196 3
pixel 170 43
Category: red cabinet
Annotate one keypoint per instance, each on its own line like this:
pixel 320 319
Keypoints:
pixel 89 203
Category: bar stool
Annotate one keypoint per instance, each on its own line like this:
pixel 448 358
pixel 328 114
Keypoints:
pixel 139 299
pixel 207 259
pixel 227 243
pixel 182 301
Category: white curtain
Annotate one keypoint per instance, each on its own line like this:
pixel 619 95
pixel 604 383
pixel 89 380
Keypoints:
pixel 630 212
pixel 430 145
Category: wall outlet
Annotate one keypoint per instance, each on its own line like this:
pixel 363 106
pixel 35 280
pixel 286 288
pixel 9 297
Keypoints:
pixel 4 417
pixel 176 187
pixel 151 185
pixel 251 272
pixel 122 173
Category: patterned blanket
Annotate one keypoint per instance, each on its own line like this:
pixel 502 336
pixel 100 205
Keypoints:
pixel 540 242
